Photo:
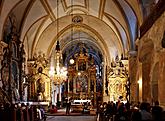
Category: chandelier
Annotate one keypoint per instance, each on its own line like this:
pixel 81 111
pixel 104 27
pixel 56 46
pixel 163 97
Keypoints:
pixel 57 71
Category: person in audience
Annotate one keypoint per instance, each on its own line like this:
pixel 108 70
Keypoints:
pixel 101 116
pixel 18 113
pixel 42 111
pixel 39 113
pixel 109 110
pixel 2 112
pixel 145 111
pixel 136 115
pixel 156 112
pixel 8 113
pixel 53 109
pixel 23 106
pixel 121 113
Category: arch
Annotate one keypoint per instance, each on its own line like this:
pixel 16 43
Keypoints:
pixel 146 50
pixel 99 40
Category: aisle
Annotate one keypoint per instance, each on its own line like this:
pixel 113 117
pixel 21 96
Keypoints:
pixel 62 112
pixel 71 118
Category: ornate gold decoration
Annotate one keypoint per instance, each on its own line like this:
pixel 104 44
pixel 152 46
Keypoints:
pixel 39 81
pixel 82 77
pixel 117 76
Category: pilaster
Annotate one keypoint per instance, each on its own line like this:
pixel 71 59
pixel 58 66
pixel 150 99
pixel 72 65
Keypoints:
pixel 132 74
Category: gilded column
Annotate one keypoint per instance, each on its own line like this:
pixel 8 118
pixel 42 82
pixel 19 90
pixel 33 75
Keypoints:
pixel 74 85
pixel 2 45
pixel 89 84
pixel 95 92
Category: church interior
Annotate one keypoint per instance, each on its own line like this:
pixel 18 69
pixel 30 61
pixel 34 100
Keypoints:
pixel 82 50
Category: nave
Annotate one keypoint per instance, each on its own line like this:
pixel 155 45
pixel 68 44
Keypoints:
pixel 81 51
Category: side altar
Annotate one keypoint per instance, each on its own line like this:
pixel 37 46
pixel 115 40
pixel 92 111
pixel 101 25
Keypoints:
pixel 39 83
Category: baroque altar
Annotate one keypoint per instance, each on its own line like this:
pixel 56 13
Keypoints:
pixel 82 77
pixel 39 88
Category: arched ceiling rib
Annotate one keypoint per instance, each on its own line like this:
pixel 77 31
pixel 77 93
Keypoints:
pixel 114 21
pixel 37 11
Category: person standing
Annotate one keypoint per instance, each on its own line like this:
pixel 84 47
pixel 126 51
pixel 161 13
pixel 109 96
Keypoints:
pixel 68 104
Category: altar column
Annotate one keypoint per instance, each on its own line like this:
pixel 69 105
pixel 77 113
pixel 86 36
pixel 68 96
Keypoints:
pixel 89 89
pixel 59 88
pixel 2 45
pixel 74 86
pixel 54 94
pixel 95 92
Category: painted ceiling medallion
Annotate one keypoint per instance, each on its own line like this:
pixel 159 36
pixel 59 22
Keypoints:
pixel 77 19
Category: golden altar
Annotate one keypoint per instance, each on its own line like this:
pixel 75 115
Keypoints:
pixel 82 78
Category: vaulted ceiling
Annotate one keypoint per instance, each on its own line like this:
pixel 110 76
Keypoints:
pixel 108 26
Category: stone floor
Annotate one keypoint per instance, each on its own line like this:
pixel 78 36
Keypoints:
pixel 61 116
pixel 71 118
pixel 62 112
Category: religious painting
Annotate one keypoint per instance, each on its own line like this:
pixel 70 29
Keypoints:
pixel 82 84
pixel 81 65
pixel 40 85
